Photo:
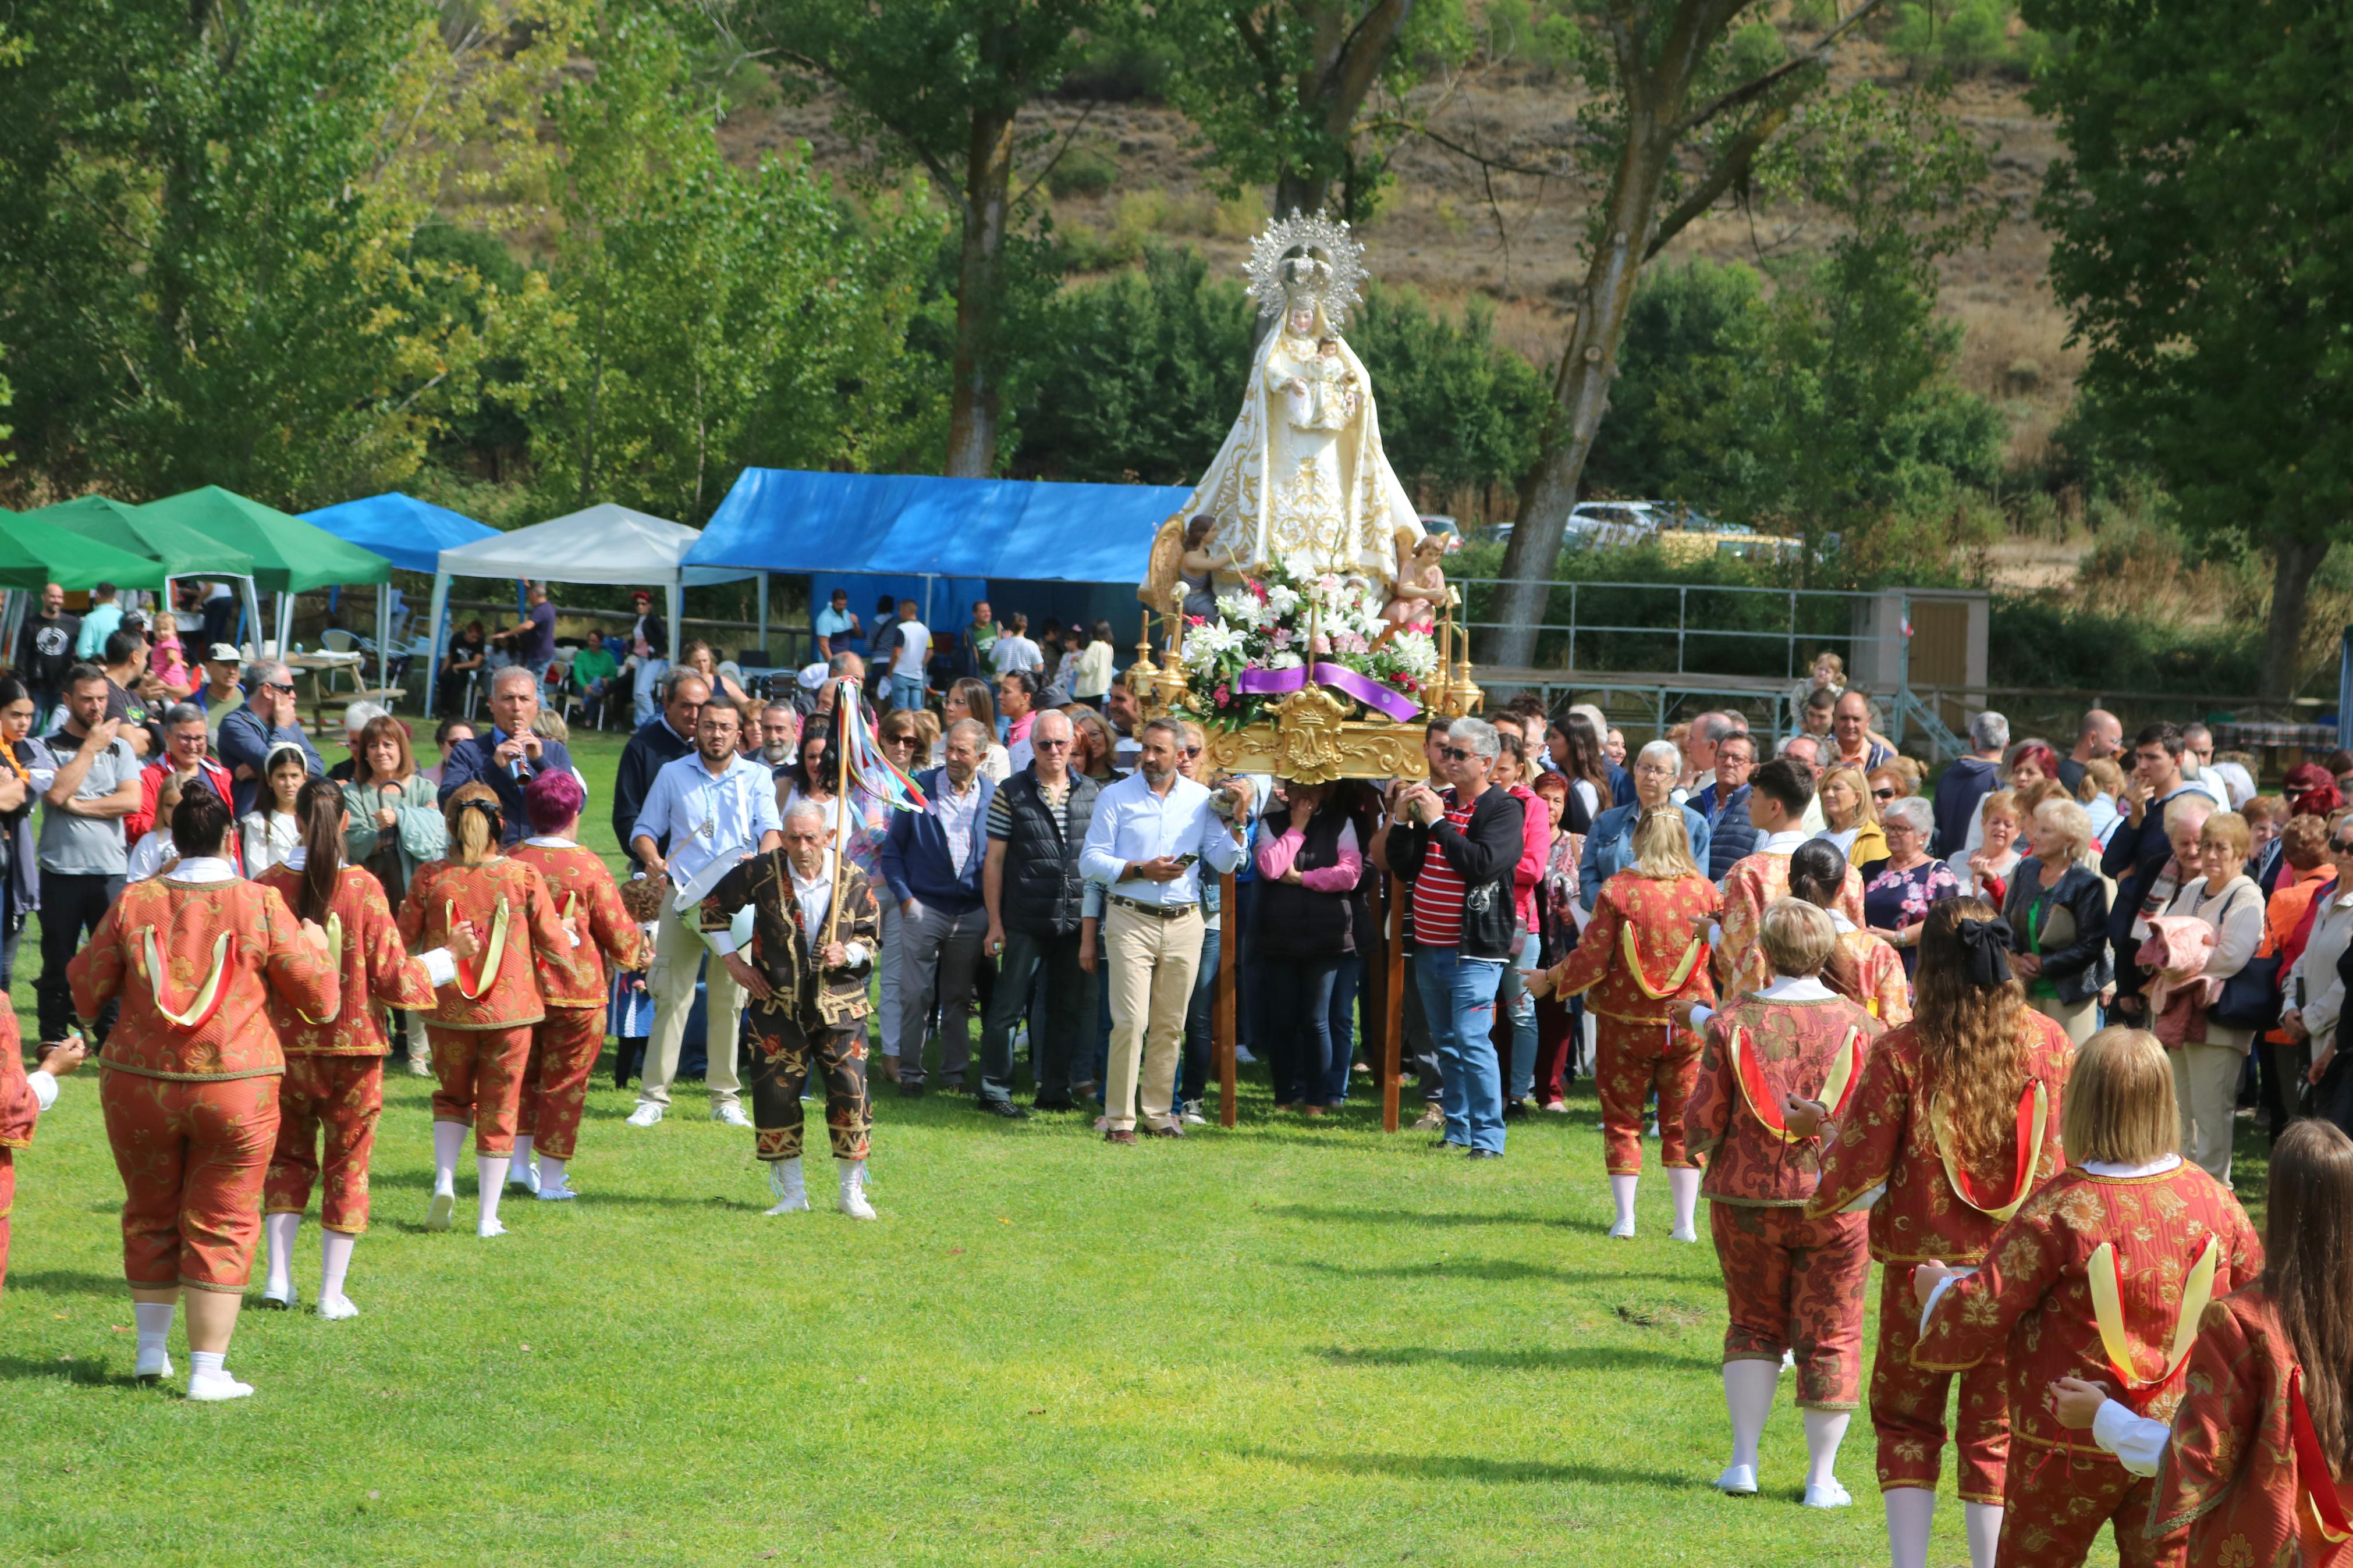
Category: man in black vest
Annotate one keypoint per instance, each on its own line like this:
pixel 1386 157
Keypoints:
pixel 659 742
pixel 1036 826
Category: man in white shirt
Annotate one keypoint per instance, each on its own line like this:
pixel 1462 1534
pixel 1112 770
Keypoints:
pixel 1151 833
pixel 912 649
pixel 1014 650
pixel 713 808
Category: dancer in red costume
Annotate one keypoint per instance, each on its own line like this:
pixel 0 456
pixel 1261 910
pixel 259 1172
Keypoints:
pixel 482 1023
pixel 23 1097
pixel 2255 1461
pixel 1955 1123
pixel 565 1044
pixel 1863 969
pixel 2103 1274
pixel 190 1086
pixel 334 1062
pixel 1779 794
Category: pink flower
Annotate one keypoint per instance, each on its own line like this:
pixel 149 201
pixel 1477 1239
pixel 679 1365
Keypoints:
pixel 1258 588
pixel 1220 694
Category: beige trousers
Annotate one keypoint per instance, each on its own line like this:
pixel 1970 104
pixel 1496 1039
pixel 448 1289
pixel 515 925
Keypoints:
pixel 1151 964
pixel 678 947
pixel 2081 1020
pixel 2205 1086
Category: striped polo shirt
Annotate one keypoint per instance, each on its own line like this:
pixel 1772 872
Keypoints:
pixel 1437 890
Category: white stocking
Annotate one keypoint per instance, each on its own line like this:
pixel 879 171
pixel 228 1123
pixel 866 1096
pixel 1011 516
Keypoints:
pixel 490 1171
pixel 334 1262
pixel 521 1156
pixel 448 1138
pixel 1622 1193
pixel 1748 1388
pixel 1909 1512
pixel 1684 1187
pixel 281 1229
pixel 1983 1521
pixel 1825 1430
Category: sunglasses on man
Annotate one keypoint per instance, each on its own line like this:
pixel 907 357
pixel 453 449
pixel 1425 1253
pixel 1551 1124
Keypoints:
pixel 1455 754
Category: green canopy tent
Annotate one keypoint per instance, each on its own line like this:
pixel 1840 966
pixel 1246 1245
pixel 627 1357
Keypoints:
pixel 290 556
pixel 34 552
pixel 179 551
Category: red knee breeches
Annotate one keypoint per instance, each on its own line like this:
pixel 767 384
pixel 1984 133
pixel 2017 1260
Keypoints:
pixel 482 1073
pixel 1630 1060
pixel 1796 1284
pixel 2059 1498
pixel 565 1047
pixel 1907 1405
pixel 343 1098
pixel 193 1158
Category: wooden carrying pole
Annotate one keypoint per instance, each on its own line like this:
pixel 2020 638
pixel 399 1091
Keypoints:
pixel 1392 928
pixel 842 692
pixel 1229 917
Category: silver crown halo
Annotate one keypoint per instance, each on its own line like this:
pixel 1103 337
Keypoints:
pixel 1342 254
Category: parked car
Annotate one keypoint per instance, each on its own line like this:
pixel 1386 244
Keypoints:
pixel 1682 533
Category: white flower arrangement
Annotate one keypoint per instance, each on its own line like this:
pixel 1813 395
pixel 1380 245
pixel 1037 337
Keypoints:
pixel 1416 654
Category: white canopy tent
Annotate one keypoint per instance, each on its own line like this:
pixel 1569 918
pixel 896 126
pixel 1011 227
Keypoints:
pixel 603 543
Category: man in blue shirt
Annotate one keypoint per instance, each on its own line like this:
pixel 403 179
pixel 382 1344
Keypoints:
pixel 835 627
pixel 533 638
pixel 510 755
pixel 268 720
pixel 97 623
pixel 933 860
pixel 1151 834
pixel 709 808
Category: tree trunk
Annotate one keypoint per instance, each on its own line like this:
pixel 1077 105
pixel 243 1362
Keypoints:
pixel 2294 562
pixel 1580 393
pixel 974 410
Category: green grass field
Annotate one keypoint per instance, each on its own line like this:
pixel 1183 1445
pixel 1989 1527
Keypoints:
pixel 1292 1343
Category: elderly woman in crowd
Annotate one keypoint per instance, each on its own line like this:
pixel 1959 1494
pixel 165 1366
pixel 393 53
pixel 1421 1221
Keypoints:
pixel 2207 1063
pixel 1610 846
pixel 1898 891
pixel 1849 818
pixel 2307 880
pixel 2057 908
pixel 1984 872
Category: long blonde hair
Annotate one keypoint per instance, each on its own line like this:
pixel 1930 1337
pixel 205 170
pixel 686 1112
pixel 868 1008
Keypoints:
pixel 1972 1038
pixel 474 832
pixel 1847 774
pixel 1663 845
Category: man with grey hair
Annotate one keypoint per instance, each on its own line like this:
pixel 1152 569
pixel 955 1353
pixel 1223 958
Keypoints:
pixel 1152 833
pixel 2227 782
pixel 266 721
pixel 1036 895
pixel 183 746
pixel 933 859
pixel 511 754
pixel 657 742
pixel 1969 780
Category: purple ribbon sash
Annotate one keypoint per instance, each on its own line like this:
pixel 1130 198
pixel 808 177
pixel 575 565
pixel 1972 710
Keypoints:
pixel 1364 689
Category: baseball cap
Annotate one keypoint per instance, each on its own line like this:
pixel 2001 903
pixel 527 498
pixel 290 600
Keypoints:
pixel 222 653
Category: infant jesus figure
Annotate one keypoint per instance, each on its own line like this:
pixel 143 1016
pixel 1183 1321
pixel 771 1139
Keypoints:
pixel 1321 394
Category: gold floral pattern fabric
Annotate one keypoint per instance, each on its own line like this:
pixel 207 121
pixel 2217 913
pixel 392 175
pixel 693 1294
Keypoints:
pixel 578 881
pixel 1796 1284
pixel 565 1047
pixel 192 1154
pixel 1666 917
pixel 1630 1062
pixel 340 1099
pixel 1749 890
pixel 537 943
pixel 1907 1406
pixel 1869 972
pixel 480 1071
pixel 1794 1045
pixel 2058 1500
pixel 373 968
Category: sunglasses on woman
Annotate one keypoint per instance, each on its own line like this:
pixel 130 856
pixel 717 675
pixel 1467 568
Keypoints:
pixel 1882 795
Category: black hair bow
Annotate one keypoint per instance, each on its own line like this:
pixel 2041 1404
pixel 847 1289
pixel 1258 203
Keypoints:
pixel 1985 951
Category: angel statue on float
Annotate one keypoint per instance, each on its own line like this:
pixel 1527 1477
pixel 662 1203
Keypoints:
pixel 1301 481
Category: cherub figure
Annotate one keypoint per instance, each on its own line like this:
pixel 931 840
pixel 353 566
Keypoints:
pixel 1195 567
pixel 1420 581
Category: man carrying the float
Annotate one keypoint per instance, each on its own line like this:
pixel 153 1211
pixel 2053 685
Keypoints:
pixel 815 926
pixel 1792 1282
pixel 191 1068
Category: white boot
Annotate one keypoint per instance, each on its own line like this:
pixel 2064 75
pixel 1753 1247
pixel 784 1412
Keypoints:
pixel 448 1138
pixel 785 1181
pixel 278 1292
pixel 1749 1387
pixel 1622 1193
pixel 519 1171
pixel 334 1262
pixel 1911 1511
pixel 1983 1522
pixel 1683 1186
pixel 853 1190
pixel 1825 1430
pixel 155 1322
pixel 490 1174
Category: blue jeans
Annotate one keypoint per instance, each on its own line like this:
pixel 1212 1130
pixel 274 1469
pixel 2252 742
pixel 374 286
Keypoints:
pixel 906 690
pixel 1295 1026
pixel 1458 997
pixel 1520 1007
pixel 1345 986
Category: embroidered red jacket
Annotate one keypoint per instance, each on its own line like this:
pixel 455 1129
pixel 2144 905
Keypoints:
pixel 500 987
pixel 1887 1139
pixel 2031 1297
pixel 224 949
pixel 18 1109
pixel 1645 948
pixel 583 891
pixel 372 964
pixel 1869 972
pixel 1734 1117
pixel 1749 890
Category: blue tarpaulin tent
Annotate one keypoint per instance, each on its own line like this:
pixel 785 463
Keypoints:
pixel 947 538
pixel 408 533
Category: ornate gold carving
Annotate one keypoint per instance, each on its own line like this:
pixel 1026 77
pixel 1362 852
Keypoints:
pixel 1353 750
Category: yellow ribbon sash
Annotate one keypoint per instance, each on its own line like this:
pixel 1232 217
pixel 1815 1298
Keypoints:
pixel 487 973
pixel 335 958
pixel 2108 1311
pixel 2033 1120
pixel 1837 1088
pixel 1632 952
pixel 208 996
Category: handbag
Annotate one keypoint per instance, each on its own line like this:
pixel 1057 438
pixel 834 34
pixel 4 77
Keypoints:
pixel 2250 998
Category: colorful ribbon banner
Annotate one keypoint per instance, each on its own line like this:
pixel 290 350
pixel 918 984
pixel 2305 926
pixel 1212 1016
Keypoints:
pixel 1340 677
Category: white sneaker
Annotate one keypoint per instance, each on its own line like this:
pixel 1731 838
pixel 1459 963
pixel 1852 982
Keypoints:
pixel 1622 1231
pixel 1558 1107
pixel 421 1066
pixel 560 1193
pixel 1738 1480
pixel 854 1197
pixel 644 1115
pixel 438 1212
pixel 278 1303
pixel 728 1111
pixel 1652 1131
pixel 1192 1117
pixel 208 1387
pixel 337 1306
pixel 1829 1494
pixel 523 1176
pixel 1683 1233
pixel 158 1366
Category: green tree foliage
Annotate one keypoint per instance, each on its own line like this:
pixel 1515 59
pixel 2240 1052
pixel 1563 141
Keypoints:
pixel 205 211
pixel 1457 409
pixel 2203 244
pixel 696 316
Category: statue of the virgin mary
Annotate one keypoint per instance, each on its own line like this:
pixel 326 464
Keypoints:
pixel 1301 480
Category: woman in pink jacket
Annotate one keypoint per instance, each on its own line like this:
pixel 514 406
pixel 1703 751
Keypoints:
pixel 1515 1010
pixel 1309 861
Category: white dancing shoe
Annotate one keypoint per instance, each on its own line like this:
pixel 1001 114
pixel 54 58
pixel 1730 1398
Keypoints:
pixel 728 1111
pixel 1622 1231
pixel 210 1387
pixel 784 1182
pixel 1828 1494
pixel 1684 1233
pixel 1738 1480
pixel 853 1192
pixel 523 1176
pixel 150 1367
pixel 336 1307
pixel 487 1228
pixel 561 1192
pixel 644 1115
pixel 277 1303
pixel 438 1212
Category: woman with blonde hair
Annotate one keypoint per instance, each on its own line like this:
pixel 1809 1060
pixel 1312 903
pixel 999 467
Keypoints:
pixel 1984 870
pixel 1851 819
pixel 1953 1125
pixel 2105 1275
pixel 2102 792
pixel 481 1025
pixel 2212 1051
pixel 2057 909
pixel 1645 950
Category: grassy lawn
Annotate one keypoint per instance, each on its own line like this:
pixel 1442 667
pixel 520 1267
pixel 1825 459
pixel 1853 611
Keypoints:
pixel 1288 1344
